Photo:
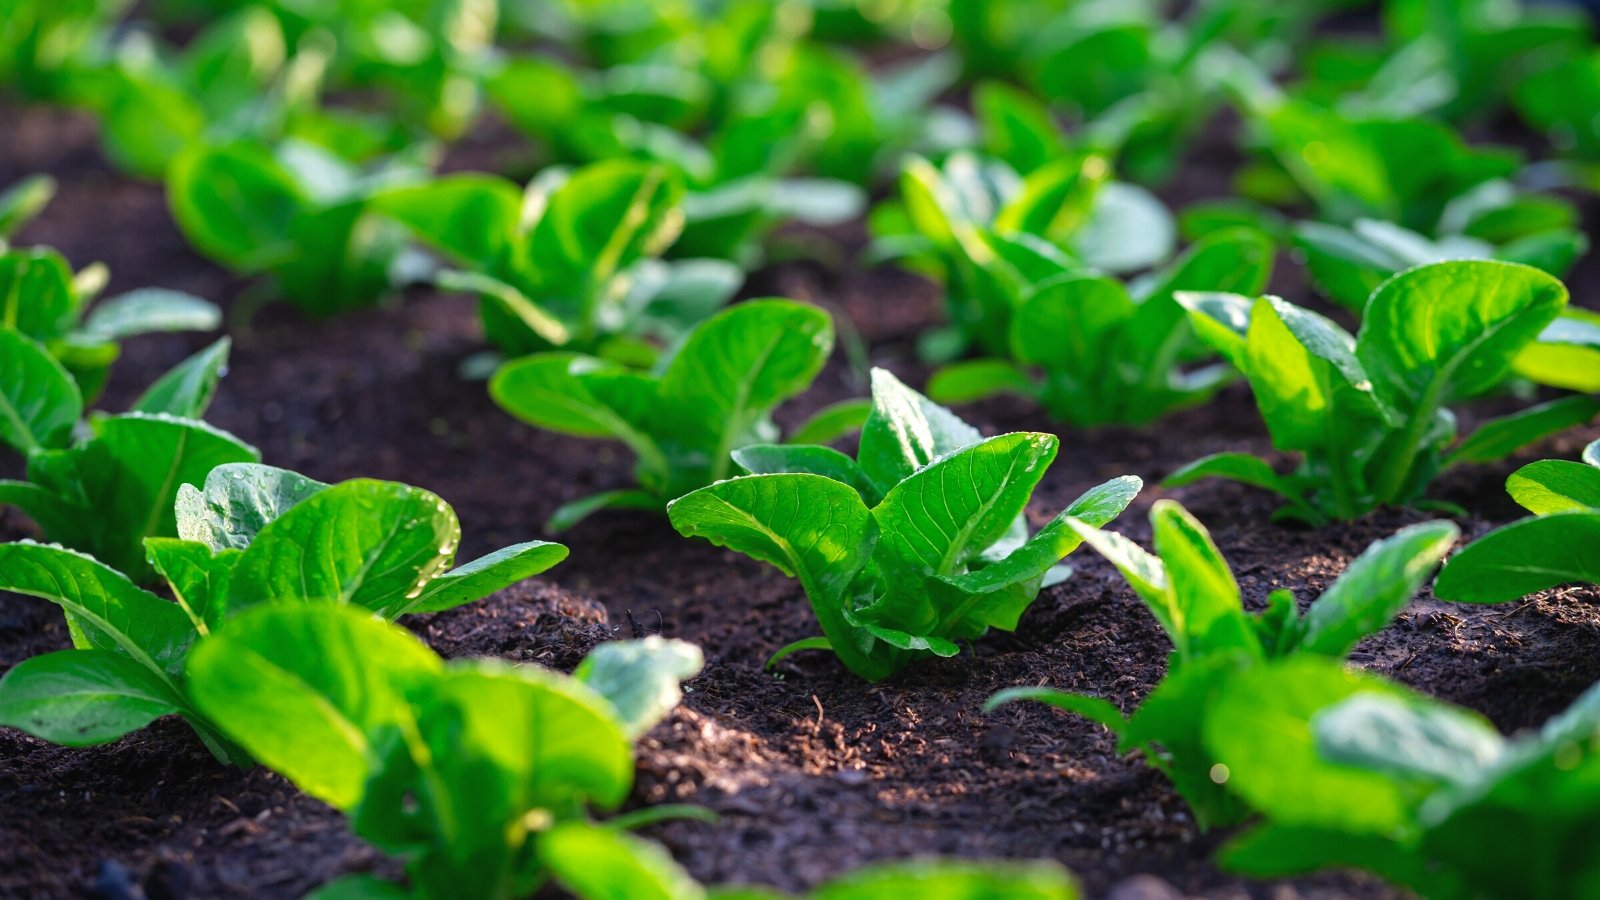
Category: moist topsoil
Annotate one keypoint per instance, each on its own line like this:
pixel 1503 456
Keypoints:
pixel 811 770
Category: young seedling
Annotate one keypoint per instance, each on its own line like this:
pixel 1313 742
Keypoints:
pixel 254 536
pixel 1401 169
pixel 1560 544
pixel 294 211
pixel 990 235
pixel 1109 352
pixel 463 769
pixel 1191 591
pixel 737 167
pixel 918 543
pixel 153 102
pixel 572 262
pixel 1348 263
pixel 1355 772
pixel 682 421
pixel 1369 415
pixel 106 484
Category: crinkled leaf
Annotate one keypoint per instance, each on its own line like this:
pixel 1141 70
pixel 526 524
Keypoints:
pixel 130 473
pixel 906 431
pixel 238 500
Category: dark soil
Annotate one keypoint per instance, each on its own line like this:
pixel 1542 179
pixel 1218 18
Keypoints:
pixel 812 770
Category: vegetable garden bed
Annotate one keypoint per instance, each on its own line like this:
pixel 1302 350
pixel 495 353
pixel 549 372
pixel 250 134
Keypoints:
pixel 812 771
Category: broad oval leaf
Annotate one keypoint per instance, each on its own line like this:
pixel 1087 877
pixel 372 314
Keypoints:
pixel 738 365
pixel 810 527
pixel 1069 323
pixel 37 296
pixel 1523 557
pixel 104 609
pixel 78 698
pixel 131 471
pixel 955 880
pixel 236 203
pixel 1555 485
pixel 600 863
pixel 1412 740
pixel 39 401
pixel 1260 727
pixel 470 216
pixel 601 220
pixel 304 689
pixel 373 544
pixel 1453 329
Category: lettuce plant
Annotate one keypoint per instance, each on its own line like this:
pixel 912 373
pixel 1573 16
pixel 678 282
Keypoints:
pixel 252 537
pixel 1110 352
pixel 1191 591
pixel 153 103
pixel 682 420
pixel 1399 169
pixel 571 263
pixel 104 485
pixel 705 105
pixel 1560 544
pixel 463 769
pixel 293 211
pixel 1348 263
pixel 1355 772
pixel 916 544
pixel 1369 415
pixel 47 46
pixel 420 60
pixel 1463 60
pixel 990 235
pixel 1560 101
pixel 43 299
